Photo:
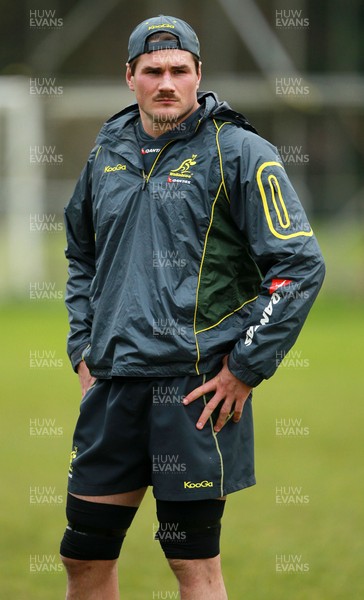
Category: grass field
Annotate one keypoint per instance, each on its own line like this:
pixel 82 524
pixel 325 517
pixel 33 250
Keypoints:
pixel 297 535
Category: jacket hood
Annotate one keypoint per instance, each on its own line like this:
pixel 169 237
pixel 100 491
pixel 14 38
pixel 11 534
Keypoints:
pixel 224 112
pixel 117 125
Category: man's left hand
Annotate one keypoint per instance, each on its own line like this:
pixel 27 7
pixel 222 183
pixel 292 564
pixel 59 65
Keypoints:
pixel 229 390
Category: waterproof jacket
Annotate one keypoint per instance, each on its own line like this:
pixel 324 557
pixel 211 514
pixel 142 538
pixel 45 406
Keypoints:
pixel 208 254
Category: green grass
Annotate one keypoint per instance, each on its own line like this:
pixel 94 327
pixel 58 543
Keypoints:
pixel 325 396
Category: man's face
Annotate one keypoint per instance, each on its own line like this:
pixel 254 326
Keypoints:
pixel 165 83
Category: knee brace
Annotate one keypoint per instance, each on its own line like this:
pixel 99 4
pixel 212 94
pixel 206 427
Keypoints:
pixel 95 531
pixel 190 530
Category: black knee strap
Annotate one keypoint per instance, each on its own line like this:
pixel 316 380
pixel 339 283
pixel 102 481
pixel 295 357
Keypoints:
pixel 190 530
pixel 95 531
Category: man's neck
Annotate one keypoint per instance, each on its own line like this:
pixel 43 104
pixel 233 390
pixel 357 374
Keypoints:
pixel 158 127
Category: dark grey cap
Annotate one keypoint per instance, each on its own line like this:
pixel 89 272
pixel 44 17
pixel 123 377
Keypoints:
pixel 186 37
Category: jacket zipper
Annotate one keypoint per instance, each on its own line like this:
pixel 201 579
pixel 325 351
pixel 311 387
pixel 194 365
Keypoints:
pixel 145 180
pixel 146 177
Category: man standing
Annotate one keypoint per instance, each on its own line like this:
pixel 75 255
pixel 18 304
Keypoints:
pixel 192 267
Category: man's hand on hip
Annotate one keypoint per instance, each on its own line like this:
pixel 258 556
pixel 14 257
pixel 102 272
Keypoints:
pixel 85 377
pixel 229 391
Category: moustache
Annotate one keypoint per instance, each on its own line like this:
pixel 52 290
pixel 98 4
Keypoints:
pixel 165 97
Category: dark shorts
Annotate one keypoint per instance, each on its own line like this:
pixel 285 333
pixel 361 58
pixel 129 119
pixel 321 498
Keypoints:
pixel 135 432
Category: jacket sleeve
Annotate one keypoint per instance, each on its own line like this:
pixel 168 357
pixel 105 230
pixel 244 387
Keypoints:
pixel 80 252
pixel 266 209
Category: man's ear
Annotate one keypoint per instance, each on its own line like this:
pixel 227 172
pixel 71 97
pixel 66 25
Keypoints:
pixel 199 75
pixel 129 78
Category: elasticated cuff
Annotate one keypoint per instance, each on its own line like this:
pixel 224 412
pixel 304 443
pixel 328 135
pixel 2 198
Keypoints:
pixel 76 357
pixel 245 375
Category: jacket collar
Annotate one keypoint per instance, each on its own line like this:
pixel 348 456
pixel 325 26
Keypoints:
pixel 119 129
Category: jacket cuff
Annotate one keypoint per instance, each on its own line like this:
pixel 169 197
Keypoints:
pixel 245 375
pixel 77 356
